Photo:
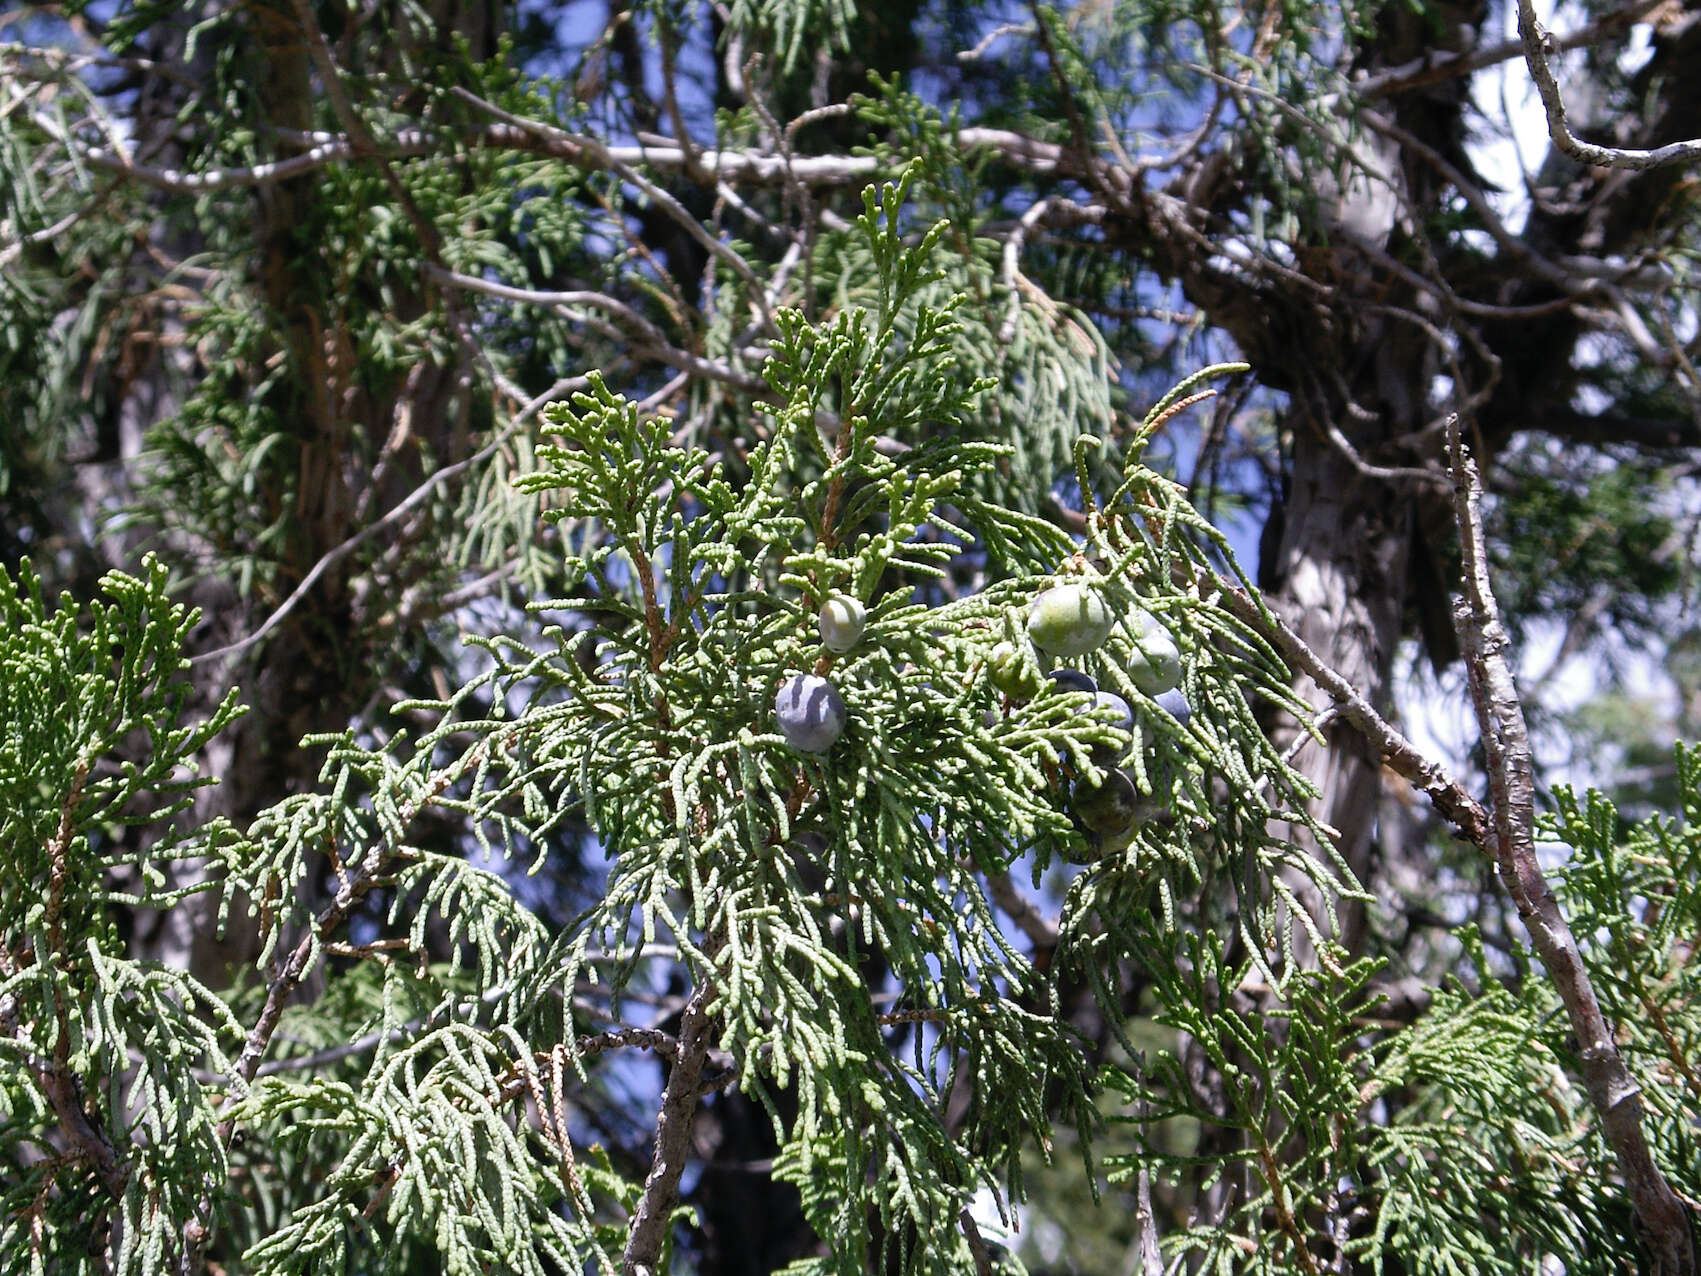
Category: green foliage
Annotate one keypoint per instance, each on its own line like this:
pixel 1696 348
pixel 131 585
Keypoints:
pixel 780 875
pixel 1610 550
pixel 916 408
pixel 787 26
pixel 1455 1142
pixel 1488 1165
pixel 92 738
pixel 801 892
pixel 1268 1068
pixel 1049 365
pixel 90 707
pixel 1635 899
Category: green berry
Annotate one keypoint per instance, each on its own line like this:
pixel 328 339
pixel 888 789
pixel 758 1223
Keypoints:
pixel 1155 667
pixel 841 623
pixel 1069 620
pixel 1109 809
pixel 1012 672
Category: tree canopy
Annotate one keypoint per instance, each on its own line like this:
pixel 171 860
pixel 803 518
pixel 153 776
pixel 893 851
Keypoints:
pixel 625 644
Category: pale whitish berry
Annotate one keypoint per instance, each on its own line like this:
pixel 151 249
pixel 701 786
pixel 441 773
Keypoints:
pixel 810 712
pixel 1069 620
pixel 841 623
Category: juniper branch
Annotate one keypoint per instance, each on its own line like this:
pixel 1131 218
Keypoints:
pixel 58 1079
pixel 1450 797
pixel 1442 64
pixel 650 339
pixel 1041 930
pixel 416 498
pixel 643 1038
pixel 977 1244
pixel 744 167
pixel 1613 1092
pixel 351 889
pixel 662 199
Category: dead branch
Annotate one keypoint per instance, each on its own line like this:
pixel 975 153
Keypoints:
pixel 1443 64
pixel 1538 43
pixel 1613 1092
pixel 1450 797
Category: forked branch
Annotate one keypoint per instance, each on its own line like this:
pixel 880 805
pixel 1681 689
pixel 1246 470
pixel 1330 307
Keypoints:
pixel 1506 831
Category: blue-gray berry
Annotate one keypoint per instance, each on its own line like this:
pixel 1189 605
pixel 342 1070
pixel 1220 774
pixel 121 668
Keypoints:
pixel 810 712
pixel 1119 713
pixel 1175 704
pixel 1072 680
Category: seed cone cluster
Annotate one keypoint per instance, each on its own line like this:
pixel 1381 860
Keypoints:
pixel 1066 621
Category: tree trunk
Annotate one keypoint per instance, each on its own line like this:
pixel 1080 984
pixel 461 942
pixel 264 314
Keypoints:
pixel 1338 577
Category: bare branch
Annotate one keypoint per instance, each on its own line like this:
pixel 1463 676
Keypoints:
pixel 1387 473
pixel 681 215
pixel 1613 1092
pixel 413 500
pixel 1538 44
pixel 673 1137
pixel 1450 797
pixel 1041 931
pixel 651 339
pixel 1652 433
pixel 65 1096
pixel 977 1244
pixel 12 251
pixel 652 1039
pixel 754 168
pixel 1011 270
pixel 986 41
pixel 1442 64
pixel 1151 1260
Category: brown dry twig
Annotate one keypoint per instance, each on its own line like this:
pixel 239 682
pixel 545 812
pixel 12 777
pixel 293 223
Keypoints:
pixel 1450 797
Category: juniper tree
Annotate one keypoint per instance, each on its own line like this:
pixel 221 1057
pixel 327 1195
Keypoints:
pixel 299 283
pixel 822 923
